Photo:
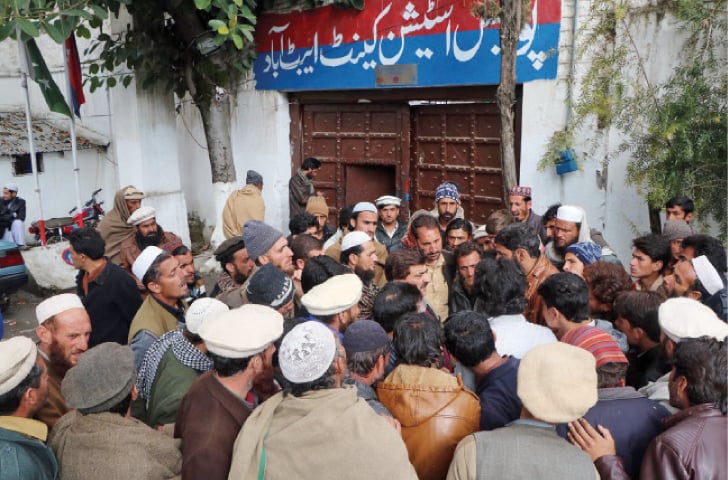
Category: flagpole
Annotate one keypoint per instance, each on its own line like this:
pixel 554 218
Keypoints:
pixel 29 125
pixel 76 170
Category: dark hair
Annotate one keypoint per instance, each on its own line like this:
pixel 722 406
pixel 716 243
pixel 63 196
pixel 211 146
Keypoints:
pixel 550 213
pixel 394 300
pixel 702 361
pixel 685 203
pixel 497 221
pixel 345 216
pixel 10 400
pixel 361 363
pixel 606 280
pixel 227 256
pixel 193 338
pixel 611 374
pixel 418 340
pixel 227 367
pixel 465 249
pixel 87 241
pixel 399 262
pixel 318 270
pixel 122 407
pixel 303 244
pixel 460 224
pixel 181 250
pixel 567 293
pixel 355 250
pixel 153 273
pixel 640 310
pixel 708 246
pixel 656 247
pixel 311 163
pixel 301 222
pixel 501 286
pixel 520 235
pixel 468 336
pixel 424 221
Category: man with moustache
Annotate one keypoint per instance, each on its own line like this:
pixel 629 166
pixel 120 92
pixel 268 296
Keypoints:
pixel 440 264
pixel 358 253
pixel 519 201
pixel 571 227
pixel 236 265
pixel 63 329
pixel 300 187
pixel 147 233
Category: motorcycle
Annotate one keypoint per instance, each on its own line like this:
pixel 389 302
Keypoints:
pixel 59 227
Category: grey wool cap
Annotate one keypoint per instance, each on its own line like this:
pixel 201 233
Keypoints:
pixel 259 237
pixel 103 377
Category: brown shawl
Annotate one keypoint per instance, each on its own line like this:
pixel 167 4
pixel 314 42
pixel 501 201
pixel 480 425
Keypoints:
pixel 113 227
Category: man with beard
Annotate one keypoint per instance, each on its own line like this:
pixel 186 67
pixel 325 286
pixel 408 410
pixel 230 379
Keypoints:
pixel 447 206
pixel 335 303
pixel 195 282
pixel 463 293
pixel 236 265
pixel 440 264
pixel 300 187
pixel 164 309
pixel 12 212
pixel 113 227
pixel 571 227
pixel 64 329
pixel 147 233
pixel 519 201
pixel 358 253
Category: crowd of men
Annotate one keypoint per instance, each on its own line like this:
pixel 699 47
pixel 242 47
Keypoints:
pixel 426 347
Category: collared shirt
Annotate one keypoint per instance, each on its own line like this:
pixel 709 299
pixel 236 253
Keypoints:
pixel 437 293
pixel 25 426
pixel 178 311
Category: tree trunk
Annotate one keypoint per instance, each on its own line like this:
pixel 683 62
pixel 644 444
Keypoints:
pixel 506 95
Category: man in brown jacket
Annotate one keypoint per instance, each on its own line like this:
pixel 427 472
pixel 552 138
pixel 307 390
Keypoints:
pixel 434 408
pixel 243 205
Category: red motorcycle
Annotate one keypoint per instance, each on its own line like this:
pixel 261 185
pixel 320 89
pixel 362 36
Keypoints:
pixel 58 228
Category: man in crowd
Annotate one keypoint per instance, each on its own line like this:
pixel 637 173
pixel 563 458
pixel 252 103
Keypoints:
pixel 674 232
pixel 303 223
pixel 63 329
pixel 98 439
pixel 163 309
pixel 548 219
pixel 114 228
pixel 637 319
pixel 464 293
pixel 295 433
pixel 243 205
pixel 390 230
pixel 650 257
pixel 694 444
pixel 12 213
pixel 23 390
pixel 358 253
pixel 393 301
pixel 173 363
pixel 267 245
pixel 300 187
pixel 364 219
pixel 679 208
pixel 317 207
pixel 440 264
pixel 570 226
pixel 335 303
pixel 110 296
pixel 471 342
pixel 530 447
pixel 195 282
pixel 519 201
pixel 435 409
pixel 240 345
pixel 408 265
pixel 521 243
pixel 502 286
pixel 367 357
pixel 272 288
pixel 236 265
pixel 458 231
pixel 447 206
pixel 147 233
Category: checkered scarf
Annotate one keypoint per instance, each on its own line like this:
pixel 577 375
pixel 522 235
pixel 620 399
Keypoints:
pixel 183 351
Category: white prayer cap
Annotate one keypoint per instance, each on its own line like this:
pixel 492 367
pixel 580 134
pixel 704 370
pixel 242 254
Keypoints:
pixel 144 261
pixel 55 305
pixel 687 318
pixel 242 332
pixel 141 214
pixel 386 200
pixel 570 213
pixel 480 232
pixel 707 274
pixel 202 310
pixel 307 352
pixel 364 207
pixel 337 294
pixel 11 186
pixel 17 357
pixel 354 239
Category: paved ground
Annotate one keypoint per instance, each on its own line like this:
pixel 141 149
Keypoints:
pixel 19 316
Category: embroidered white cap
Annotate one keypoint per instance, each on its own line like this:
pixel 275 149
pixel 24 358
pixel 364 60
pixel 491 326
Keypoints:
pixel 354 239
pixel 201 310
pixel 306 352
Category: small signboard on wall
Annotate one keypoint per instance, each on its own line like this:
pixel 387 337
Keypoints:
pixel 398 43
